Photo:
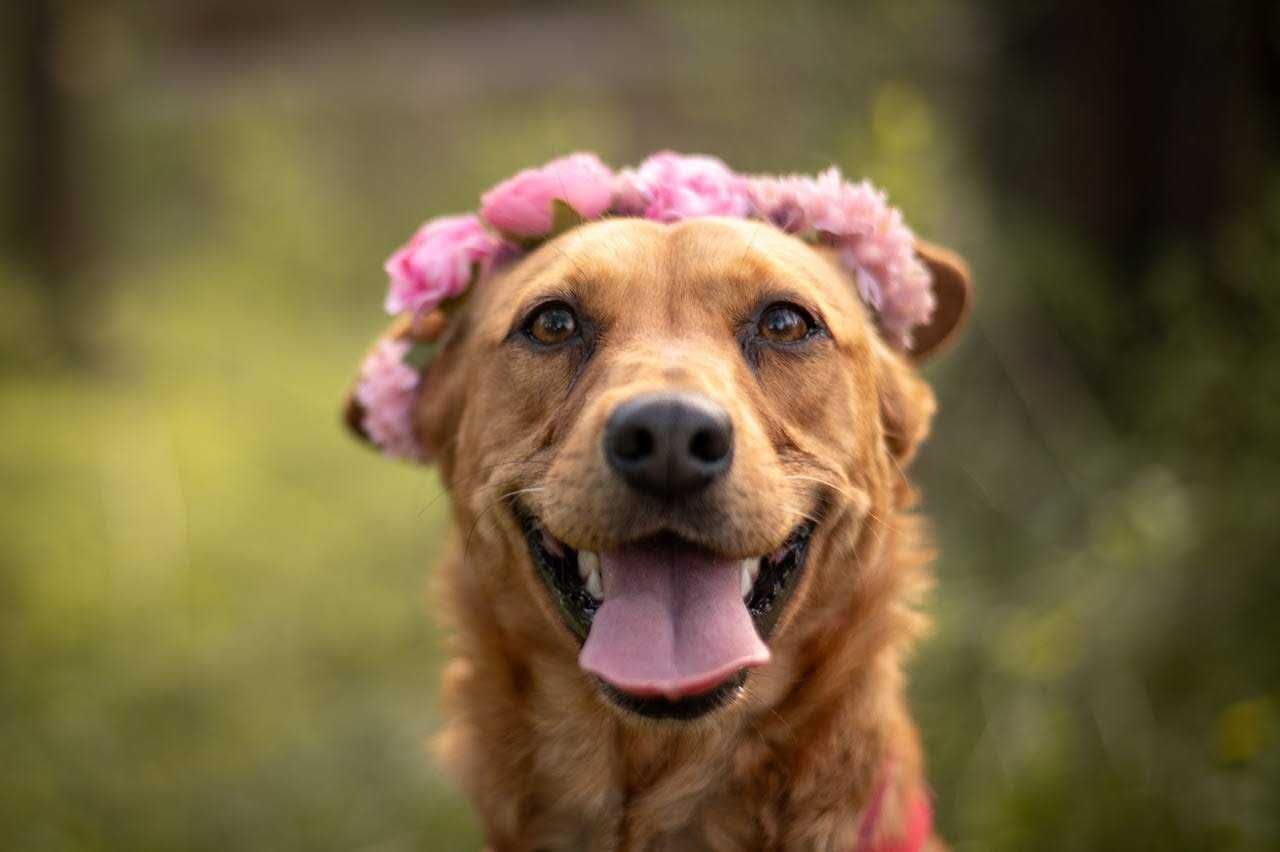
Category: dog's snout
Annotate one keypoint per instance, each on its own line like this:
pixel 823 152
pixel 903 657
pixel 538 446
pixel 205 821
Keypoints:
pixel 667 444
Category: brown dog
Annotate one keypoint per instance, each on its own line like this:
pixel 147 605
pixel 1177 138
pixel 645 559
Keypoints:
pixel 685 572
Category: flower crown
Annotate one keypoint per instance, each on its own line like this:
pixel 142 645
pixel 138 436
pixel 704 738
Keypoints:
pixel 450 254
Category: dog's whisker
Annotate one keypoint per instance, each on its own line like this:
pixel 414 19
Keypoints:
pixel 791 732
pixel 800 513
pixel 844 492
pixel 749 694
pixel 475 525
pixel 882 522
pixel 445 487
pixel 755 231
pixel 496 502
pixel 898 466
pixel 571 260
pixel 531 490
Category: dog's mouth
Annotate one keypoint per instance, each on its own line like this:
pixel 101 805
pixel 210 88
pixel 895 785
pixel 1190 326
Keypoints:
pixel 668 628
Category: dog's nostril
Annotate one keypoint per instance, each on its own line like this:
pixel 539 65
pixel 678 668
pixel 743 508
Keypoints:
pixel 669 444
pixel 709 445
pixel 634 444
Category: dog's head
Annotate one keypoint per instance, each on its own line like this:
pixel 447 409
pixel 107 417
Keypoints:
pixel 663 425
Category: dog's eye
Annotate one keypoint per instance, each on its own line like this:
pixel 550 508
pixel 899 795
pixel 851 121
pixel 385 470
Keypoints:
pixel 785 323
pixel 552 324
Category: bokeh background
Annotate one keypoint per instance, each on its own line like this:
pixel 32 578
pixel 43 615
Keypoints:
pixel 215 631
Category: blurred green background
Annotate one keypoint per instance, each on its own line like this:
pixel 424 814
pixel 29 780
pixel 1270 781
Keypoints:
pixel 215 631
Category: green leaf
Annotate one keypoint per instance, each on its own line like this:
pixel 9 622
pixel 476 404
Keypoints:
pixel 420 354
pixel 563 217
pixel 526 244
pixel 453 304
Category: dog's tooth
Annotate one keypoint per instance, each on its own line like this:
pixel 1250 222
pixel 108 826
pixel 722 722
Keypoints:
pixel 747 572
pixel 594 588
pixel 588 564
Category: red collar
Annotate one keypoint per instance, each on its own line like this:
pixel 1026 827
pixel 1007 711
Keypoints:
pixel 917 826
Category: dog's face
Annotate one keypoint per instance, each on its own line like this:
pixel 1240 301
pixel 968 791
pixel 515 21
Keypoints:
pixel 677 430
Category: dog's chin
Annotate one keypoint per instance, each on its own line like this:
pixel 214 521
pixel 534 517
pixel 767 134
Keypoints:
pixel 573 580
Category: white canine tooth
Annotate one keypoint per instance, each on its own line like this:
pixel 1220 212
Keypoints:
pixel 748 569
pixel 588 564
pixel 589 572
pixel 593 586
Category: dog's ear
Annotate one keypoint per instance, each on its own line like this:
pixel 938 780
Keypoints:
pixel 418 419
pixel 907 404
pixel 953 290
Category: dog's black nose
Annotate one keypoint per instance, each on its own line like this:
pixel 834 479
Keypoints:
pixel 668 444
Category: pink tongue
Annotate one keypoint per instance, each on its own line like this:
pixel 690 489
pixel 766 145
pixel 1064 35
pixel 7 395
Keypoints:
pixel 672 624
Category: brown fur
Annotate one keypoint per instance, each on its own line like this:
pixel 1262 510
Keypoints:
pixel 792 764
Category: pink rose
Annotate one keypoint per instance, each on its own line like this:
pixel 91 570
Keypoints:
pixel 790 203
pixel 437 263
pixel 387 390
pixel 678 186
pixel 878 248
pixel 521 206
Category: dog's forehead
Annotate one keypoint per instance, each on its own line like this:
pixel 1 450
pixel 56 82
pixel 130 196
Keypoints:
pixel 709 263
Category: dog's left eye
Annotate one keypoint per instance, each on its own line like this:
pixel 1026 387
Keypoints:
pixel 785 323
pixel 552 324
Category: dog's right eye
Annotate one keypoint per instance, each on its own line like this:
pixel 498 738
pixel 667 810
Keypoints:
pixel 552 324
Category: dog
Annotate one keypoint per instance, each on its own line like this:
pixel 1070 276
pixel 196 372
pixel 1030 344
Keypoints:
pixel 685 568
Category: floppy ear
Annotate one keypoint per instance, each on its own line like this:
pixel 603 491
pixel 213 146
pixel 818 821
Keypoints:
pixel 907 404
pixel 953 290
pixel 400 381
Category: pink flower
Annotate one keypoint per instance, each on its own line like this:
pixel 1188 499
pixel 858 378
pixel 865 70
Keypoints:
pixel 521 206
pixel 437 263
pixel 789 202
pixel 387 390
pixel 878 248
pixel 677 186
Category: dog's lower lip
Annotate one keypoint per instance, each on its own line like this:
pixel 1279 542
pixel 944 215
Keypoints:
pixel 684 709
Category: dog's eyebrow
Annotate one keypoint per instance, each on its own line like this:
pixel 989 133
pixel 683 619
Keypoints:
pixel 563 256
pixel 784 278
pixel 578 278
pixel 766 273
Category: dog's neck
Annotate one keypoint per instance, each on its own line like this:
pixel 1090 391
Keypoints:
pixel 550 765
